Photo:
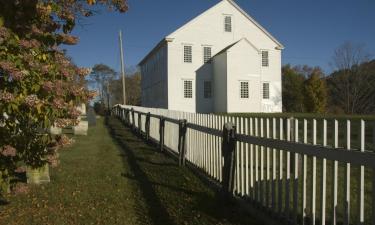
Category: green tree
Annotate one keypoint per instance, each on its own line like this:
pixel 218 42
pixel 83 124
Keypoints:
pixel 315 92
pixel 133 90
pixel 101 77
pixel 292 89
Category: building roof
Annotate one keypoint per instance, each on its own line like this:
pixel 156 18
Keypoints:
pixel 231 45
pixel 166 39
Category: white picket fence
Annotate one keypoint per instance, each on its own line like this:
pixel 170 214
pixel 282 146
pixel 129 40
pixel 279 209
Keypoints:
pixel 299 169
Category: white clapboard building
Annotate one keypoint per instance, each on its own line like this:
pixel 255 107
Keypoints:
pixel 220 61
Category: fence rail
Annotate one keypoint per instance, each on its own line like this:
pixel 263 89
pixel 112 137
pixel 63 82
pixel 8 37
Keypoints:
pixel 307 171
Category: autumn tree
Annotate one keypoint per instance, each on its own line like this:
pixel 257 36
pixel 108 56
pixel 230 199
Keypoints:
pixel 315 92
pixel 39 85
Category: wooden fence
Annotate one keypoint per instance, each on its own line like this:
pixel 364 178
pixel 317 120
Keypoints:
pixel 307 171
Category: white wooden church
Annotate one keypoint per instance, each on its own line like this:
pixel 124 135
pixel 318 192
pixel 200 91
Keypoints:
pixel 220 61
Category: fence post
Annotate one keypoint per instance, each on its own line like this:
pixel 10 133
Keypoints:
pixel 182 125
pixel 126 117
pixel 161 132
pixel 122 114
pixel 228 151
pixel 133 119
pixel 140 124
pixel 116 111
pixel 147 126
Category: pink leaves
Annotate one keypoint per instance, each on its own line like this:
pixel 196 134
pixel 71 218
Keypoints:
pixel 8 151
pixel 31 100
pixel 48 86
pixel 11 70
pixel 29 43
pixel 6 97
pixel 58 103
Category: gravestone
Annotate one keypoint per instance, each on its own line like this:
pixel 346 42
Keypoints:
pixel 55 130
pixel 38 175
pixel 81 128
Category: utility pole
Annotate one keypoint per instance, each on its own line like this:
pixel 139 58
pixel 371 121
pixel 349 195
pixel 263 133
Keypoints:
pixel 108 96
pixel 122 69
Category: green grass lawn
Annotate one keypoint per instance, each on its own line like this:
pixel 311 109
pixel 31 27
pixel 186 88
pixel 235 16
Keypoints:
pixel 112 177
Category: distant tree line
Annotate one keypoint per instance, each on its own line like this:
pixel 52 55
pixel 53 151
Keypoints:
pixel 108 83
pixel 350 89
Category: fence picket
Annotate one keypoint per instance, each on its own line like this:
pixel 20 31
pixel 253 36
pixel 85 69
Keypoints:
pixel 242 158
pixel 273 190
pixel 247 149
pixel 287 181
pixel 304 174
pixel 252 162
pixel 257 184
pixel 324 178
pixel 262 164
pixel 313 177
pixel 361 189
pixel 347 178
pixel 238 181
pixel 268 165
pixel 281 168
pixel 296 169
pixel 335 174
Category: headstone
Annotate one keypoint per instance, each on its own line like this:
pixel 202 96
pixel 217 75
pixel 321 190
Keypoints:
pixel 81 128
pixel 55 130
pixel 38 176
pixel 82 109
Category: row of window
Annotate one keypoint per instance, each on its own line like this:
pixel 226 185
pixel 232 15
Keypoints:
pixel 207 89
pixel 244 90
pixel 188 54
pixel 207 54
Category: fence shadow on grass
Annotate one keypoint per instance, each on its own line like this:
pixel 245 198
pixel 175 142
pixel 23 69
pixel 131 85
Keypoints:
pixel 157 212
pixel 168 188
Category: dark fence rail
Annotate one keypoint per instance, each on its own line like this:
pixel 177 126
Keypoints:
pixel 272 172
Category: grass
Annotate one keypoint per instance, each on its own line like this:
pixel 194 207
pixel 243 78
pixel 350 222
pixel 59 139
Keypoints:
pixel 112 177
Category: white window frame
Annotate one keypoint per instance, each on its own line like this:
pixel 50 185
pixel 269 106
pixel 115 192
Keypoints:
pixel 185 92
pixel 206 60
pixel 265 61
pixel 184 58
pixel 230 25
pixel 266 95
pixel 241 90
pixel 209 93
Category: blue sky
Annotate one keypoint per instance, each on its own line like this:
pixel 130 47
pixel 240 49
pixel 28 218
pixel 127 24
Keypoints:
pixel 309 29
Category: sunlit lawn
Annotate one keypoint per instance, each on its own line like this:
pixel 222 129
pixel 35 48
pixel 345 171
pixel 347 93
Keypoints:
pixel 112 177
